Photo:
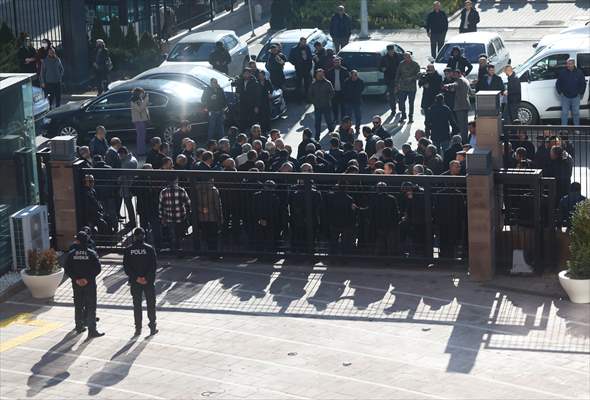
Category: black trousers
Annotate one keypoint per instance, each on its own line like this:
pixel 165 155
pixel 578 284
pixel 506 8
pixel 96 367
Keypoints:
pixel 437 41
pixel 338 106
pixel 137 292
pixel 302 76
pixel 85 305
pixel 210 234
pixel 53 91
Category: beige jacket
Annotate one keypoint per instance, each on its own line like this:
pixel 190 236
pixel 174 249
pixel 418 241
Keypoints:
pixel 139 110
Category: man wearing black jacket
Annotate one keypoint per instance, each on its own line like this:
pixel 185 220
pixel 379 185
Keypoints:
pixel 302 59
pixel 83 266
pixel 437 25
pixel 353 93
pixel 337 76
pixel 513 94
pixel 438 119
pixel 139 263
pixel 491 81
pixel 220 58
pixel 469 18
pixel 388 65
pixel 458 62
pixel 214 100
pixel 248 92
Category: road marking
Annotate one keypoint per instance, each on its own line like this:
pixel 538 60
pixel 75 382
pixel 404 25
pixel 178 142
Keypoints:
pixel 42 327
pixel 172 371
pixel 90 384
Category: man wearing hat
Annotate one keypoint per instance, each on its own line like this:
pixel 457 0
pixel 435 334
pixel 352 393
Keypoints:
pixel 220 59
pixel 82 266
pixel 139 263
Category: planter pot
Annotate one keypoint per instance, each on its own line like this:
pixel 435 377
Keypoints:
pixel 42 286
pixel 578 290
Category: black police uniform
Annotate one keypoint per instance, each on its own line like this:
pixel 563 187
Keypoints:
pixel 140 260
pixel 83 262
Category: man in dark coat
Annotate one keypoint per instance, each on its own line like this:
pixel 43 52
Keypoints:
pixel 438 119
pixel 413 223
pixel 469 18
pixel 139 264
pixel 102 66
pixel 220 58
pixel 384 219
pixel 301 58
pixel 248 92
pixel 266 208
pixel 300 220
pixel 155 155
pixel 27 57
pixel 337 76
pixel 450 153
pixel 570 86
pixel 492 81
pixel 450 216
pixel 431 82
pixel 340 28
pixel 275 65
pixel 388 65
pixel 437 25
pixel 82 265
pixel 353 93
pixel 458 62
pixel 340 220
pixel 513 95
pixel 213 99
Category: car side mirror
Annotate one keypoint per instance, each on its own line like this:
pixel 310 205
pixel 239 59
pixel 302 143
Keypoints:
pixel 526 77
pixel 164 56
pixel 430 59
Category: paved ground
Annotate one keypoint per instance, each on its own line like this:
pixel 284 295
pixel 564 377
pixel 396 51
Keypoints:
pixel 249 330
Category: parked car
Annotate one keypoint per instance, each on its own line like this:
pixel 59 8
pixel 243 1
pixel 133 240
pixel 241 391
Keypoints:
pixel 538 75
pixel 196 48
pixel 365 57
pixel 200 77
pixel 170 102
pixel 583 30
pixel 472 45
pixel 289 39
pixel 41 106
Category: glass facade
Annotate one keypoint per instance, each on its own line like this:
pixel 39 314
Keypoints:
pixel 18 186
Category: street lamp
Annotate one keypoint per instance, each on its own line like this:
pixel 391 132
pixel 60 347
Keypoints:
pixel 251 18
pixel 364 21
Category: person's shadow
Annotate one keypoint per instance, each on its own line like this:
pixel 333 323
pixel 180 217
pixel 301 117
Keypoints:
pixel 52 368
pixel 115 370
pixel 288 287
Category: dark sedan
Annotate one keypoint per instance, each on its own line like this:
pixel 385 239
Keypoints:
pixel 170 102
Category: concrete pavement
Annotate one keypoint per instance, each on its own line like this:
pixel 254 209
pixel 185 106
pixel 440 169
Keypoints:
pixel 247 330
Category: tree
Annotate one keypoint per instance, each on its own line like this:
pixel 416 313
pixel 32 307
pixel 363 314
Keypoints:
pixel 6 36
pixel 97 31
pixel 116 36
pixel 131 38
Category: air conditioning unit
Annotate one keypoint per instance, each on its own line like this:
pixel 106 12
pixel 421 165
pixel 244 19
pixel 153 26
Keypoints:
pixel 29 230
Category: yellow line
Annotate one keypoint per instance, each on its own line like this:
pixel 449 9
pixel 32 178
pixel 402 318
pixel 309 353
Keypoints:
pixel 42 327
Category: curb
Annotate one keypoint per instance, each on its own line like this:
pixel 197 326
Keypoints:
pixel 12 290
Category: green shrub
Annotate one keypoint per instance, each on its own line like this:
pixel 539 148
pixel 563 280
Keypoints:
pixel 130 38
pixel 579 263
pixel 116 37
pixel 6 36
pixel 8 62
pixel 147 43
pixel 387 14
pixel 97 31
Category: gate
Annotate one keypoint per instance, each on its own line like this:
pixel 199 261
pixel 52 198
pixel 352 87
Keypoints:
pixel 39 18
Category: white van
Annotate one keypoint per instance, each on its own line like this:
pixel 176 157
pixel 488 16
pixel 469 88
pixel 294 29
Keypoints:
pixel 539 73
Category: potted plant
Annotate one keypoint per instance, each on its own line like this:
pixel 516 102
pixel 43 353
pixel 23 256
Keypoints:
pixel 44 273
pixel 576 279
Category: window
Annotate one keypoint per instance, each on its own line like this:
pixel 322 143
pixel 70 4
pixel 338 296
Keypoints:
pixel 398 49
pixel 191 52
pixel 285 49
pixel 498 44
pixel 157 100
pixel 583 63
pixel 548 67
pixel 471 51
pixel 361 61
pixel 178 78
pixel 491 50
pixel 230 42
pixel 112 101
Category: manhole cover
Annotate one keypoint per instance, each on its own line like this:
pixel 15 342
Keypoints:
pixel 549 22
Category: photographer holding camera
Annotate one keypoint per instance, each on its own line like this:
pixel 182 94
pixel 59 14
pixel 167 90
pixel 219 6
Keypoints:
pixel 431 82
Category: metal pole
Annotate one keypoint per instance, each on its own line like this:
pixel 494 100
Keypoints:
pixel 251 18
pixel 14 14
pixel 364 21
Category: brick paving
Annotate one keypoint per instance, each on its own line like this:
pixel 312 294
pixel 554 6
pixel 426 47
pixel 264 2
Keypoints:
pixel 250 330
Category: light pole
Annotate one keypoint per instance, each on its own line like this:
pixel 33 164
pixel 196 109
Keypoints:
pixel 364 21
pixel 251 18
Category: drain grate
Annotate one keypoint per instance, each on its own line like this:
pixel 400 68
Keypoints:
pixel 549 22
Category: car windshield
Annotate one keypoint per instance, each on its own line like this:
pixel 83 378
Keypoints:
pixel 191 52
pixel 471 51
pixel 360 60
pixel 286 49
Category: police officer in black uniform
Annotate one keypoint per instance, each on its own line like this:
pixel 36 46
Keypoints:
pixel 139 263
pixel 83 266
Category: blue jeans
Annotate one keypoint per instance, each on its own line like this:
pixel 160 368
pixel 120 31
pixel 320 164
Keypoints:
pixel 354 109
pixel 327 113
pixel 567 105
pixel 215 129
pixel 403 95
pixel 140 137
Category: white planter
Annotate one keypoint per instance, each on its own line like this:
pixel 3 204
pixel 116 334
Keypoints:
pixel 578 290
pixel 42 286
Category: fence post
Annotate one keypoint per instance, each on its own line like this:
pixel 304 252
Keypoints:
pixel 309 217
pixel 538 223
pixel 194 215
pixel 428 247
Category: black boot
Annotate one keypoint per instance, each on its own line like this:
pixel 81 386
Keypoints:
pixel 153 330
pixel 137 332
pixel 95 334
pixel 80 329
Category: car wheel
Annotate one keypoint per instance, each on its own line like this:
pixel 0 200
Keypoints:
pixel 68 130
pixel 527 114
pixel 168 133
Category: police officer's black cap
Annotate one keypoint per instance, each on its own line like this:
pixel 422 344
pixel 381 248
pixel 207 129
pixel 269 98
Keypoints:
pixel 139 231
pixel 82 237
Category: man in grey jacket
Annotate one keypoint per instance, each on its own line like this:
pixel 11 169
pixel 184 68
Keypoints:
pixel 52 72
pixel 321 93
pixel 128 161
pixel 463 91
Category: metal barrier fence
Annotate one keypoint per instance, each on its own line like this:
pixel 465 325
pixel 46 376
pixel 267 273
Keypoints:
pixel 240 213
pixel 39 18
pixel 538 140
